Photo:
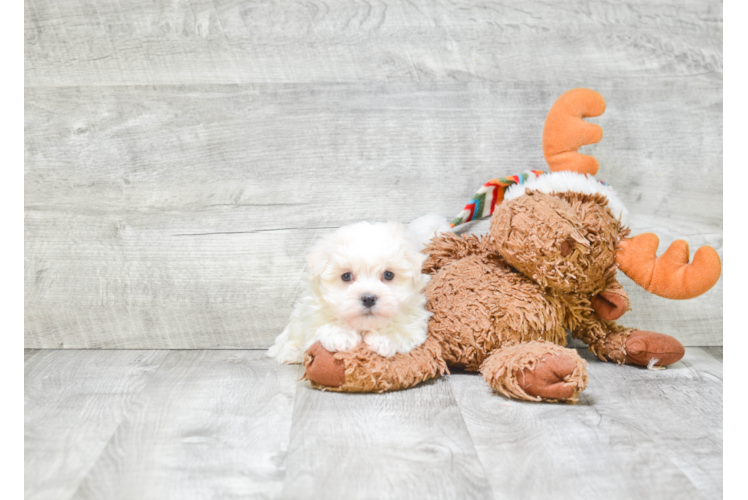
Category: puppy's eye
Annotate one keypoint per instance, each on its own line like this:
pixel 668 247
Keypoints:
pixel 347 277
pixel 388 275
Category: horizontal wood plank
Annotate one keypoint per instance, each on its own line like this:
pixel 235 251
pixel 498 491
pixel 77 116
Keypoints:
pixel 575 43
pixel 162 138
pixel 179 217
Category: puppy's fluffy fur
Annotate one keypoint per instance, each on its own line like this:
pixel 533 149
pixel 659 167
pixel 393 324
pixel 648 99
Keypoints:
pixel 333 311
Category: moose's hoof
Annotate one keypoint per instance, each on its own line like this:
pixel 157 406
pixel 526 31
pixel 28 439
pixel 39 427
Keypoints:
pixel 551 378
pixel 322 368
pixel 643 347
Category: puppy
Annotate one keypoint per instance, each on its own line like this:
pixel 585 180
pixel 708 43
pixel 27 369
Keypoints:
pixel 365 284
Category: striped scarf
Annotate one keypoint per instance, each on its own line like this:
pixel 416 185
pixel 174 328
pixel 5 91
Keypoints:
pixel 491 194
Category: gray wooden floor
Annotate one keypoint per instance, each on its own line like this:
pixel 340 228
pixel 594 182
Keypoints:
pixel 141 424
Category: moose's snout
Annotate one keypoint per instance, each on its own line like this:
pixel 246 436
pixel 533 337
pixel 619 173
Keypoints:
pixel 368 300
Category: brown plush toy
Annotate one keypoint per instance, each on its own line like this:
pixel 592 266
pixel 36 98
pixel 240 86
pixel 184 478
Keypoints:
pixel 503 303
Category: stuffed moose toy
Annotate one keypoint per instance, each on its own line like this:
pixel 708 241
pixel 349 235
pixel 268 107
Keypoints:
pixel 502 304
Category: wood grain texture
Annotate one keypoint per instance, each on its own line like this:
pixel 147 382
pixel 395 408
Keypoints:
pixel 30 353
pixel 409 444
pixel 635 433
pixel 211 424
pixel 180 218
pixel 74 42
pixel 74 402
pixel 726 358
pixel 181 157
pixel 233 424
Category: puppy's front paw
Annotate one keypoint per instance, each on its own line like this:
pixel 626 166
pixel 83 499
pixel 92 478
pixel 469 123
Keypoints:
pixel 336 339
pixel 381 344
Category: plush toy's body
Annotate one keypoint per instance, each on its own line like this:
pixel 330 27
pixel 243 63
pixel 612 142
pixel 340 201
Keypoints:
pixel 502 303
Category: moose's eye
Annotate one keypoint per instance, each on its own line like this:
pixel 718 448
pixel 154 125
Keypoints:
pixel 567 246
pixel 388 275
pixel 347 277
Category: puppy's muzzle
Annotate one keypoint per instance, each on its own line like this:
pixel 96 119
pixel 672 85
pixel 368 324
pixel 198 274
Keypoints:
pixel 368 300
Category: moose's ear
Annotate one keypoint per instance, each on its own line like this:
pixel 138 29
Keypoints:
pixel 611 304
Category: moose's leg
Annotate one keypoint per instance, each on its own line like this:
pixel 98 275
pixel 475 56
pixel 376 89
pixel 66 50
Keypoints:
pixel 536 371
pixel 446 248
pixel 611 342
pixel 362 370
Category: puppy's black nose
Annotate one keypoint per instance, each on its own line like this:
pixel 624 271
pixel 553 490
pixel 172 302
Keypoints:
pixel 369 300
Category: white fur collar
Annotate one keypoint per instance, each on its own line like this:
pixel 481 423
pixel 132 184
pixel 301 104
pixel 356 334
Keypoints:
pixel 559 182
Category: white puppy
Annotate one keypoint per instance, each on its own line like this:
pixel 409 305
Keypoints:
pixel 365 284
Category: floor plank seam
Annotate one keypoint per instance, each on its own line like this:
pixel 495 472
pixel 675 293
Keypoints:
pixel 125 415
pixel 297 385
pixel 472 443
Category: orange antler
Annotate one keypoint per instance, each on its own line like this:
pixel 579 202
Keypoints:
pixel 670 275
pixel 565 131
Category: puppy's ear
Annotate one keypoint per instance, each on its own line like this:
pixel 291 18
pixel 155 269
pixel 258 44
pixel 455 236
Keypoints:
pixel 415 260
pixel 411 248
pixel 319 257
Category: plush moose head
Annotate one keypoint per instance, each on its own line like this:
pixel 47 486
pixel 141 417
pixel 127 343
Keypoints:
pixel 567 232
pixel 565 241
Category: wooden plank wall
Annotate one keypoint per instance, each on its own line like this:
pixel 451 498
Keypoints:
pixel 181 156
